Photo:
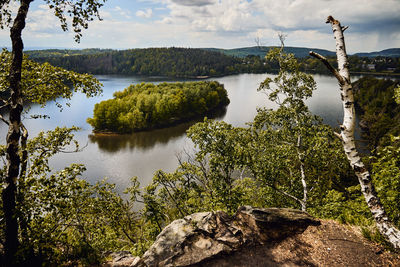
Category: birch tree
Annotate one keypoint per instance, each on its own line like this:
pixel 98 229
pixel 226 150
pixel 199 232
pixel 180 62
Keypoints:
pixel 300 148
pixel 384 225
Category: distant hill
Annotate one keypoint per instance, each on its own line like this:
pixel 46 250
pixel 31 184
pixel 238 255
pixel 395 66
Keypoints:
pixel 202 62
pixel 171 62
pixel 49 53
pixel 391 52
pixel 261 51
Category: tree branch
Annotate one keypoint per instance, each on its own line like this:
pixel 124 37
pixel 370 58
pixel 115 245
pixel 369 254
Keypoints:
pixel 329 66
pixel 338 135
pixel 4 120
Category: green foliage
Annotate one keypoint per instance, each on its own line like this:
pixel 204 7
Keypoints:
pixel 397 94
pixel 63 218
pixel 43 82
pixel 345 206
pixel 381 114
pixel 171 62
pixel 260 51
pixel 188 62
pixel 146 106
pixel 260 165
pixel 301 152
pixel 386 177
pixel 79 13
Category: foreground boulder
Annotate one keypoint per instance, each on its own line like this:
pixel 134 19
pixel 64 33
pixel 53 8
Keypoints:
pixel 202 237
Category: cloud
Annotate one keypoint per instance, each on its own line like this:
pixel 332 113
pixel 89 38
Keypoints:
pixel 42 21
pixel 193 2
pixel 122 12
pixel 145 13
pixel 221 16
pixel 374 25
pixel 301 19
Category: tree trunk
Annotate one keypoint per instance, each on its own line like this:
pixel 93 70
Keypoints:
pixel 384 225
pixel 13 137
pixel 303 176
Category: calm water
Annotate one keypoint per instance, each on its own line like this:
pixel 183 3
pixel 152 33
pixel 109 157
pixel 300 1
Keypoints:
pixel 141 154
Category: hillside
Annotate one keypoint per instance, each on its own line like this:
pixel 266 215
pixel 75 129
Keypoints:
pixel 261 51
pixel 50 53
pixel 171 62
pixel 391 52
pixel 206 62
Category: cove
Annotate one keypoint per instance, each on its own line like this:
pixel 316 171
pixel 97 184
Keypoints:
pixel 120 157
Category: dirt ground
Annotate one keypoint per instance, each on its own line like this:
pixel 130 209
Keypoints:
pixel 329 244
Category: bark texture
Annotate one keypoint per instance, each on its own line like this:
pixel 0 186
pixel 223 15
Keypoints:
pixel 13 137
pixel 385 226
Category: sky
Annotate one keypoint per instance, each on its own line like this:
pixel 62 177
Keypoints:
pixel 374 25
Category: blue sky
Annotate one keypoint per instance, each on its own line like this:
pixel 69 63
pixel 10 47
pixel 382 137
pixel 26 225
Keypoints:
pixel 373 24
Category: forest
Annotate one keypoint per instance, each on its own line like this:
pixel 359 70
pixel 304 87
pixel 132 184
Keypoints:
pixel 284 157
pixel 149 106
pixel 171 62
pixel 189 62
pixel 263 164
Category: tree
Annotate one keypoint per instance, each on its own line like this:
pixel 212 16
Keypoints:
pixel 384 224
pixel 397 94
pixel 81 12
pixel 61 217
pixel 296 140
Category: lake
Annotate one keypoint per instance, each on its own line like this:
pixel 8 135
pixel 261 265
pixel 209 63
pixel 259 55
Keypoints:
pixel 120 157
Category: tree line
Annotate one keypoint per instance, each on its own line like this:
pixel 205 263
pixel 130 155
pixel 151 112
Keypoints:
pixel 189 62
pixel 171 62
pixel 147 106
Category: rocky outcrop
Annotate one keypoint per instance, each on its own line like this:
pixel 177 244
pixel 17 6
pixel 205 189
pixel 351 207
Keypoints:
pixel 122 259
pixel 203 236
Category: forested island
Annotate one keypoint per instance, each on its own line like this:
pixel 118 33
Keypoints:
pixel 147 106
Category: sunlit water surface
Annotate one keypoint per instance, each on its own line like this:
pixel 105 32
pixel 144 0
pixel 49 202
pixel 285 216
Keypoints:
pixel 120 157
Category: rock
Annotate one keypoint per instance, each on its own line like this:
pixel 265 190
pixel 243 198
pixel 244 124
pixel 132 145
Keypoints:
pixel 203 236
pixel 122 259
pixel 262 225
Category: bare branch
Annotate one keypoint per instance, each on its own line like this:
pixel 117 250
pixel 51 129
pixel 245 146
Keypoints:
pixel 329 66
pixel 258 42
pixel 338 136
pixel 282 38
pixel 4 120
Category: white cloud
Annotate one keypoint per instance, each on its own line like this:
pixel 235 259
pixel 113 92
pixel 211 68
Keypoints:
pixel 42 21
pixel 124 13
pixel 374 25
pixel 193 2
pixel 145 13
pixel 303 20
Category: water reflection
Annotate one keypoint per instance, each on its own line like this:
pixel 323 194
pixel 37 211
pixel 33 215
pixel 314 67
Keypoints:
pixel 113 143
pixel 120 157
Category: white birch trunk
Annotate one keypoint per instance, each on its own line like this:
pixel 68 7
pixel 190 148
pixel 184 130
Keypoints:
pixel 303 176
pixel 384 225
